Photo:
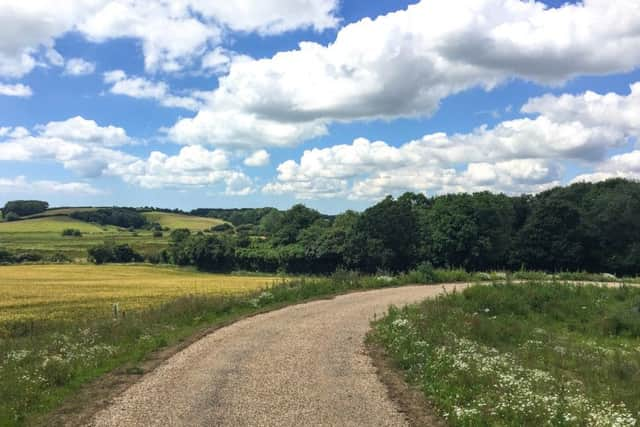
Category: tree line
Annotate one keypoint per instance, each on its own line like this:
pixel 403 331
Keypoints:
pixel 582 227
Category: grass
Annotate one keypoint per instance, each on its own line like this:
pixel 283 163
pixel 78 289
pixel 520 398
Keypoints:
pixel 53 224
pixel 48 354
pixel 42 234
pixel 71 291
pixel 173 221
pixel 529 355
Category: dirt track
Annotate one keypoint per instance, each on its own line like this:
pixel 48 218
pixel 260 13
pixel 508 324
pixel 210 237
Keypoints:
pixel 304 365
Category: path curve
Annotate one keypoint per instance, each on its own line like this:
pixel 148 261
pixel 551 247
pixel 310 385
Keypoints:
pixel 303 365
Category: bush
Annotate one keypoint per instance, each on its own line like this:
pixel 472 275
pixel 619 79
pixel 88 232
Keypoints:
pixel 221 228
pixel 6 257
pixel 27 257
pixel 58 257
pixel 157 233
pixel 109 253
pixel 73 232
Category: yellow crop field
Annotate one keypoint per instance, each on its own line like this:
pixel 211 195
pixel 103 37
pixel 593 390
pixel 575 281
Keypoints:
pixel 173 221
pixel 79 291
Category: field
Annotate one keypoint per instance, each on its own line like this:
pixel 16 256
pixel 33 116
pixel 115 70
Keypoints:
pixel 42 235
pixel 174 221
pixel 529 355
pixel 68 291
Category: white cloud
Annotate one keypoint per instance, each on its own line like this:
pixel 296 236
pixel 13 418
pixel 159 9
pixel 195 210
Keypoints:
pixel 172 34
pixel 82 131
pixel 405 63
pixel 18 90
pixel 141 88
pixel 611 110
pixel 79 144
pixel 193 166
pixel 79 67
pixel 236 129
pixel 521 155
pixel 20 185
pixel 625 165
pixel 257 159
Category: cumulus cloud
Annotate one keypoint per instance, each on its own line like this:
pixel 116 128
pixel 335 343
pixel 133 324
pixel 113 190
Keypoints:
pixel 87 149
pixel 141 88
pixel 625 165
pixel 83 131
pixel 257 159
pixel 193 166
pixel 20 185
pixel 404 63
pixel 18 90
pixel 521 155
pixel 610 110
pixel 79 144
pixel 79 67
pixel 172 34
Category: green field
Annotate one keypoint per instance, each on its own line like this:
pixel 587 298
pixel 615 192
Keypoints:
pixel 42 235
pixel 174 221
pixel 523 355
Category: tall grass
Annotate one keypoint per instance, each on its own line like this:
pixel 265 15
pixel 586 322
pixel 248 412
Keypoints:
pixel 529 354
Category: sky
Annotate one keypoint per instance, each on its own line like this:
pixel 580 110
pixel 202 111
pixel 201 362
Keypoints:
pixel 330 103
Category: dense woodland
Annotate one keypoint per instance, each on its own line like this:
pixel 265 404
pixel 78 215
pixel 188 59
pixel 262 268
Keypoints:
pixel 587 227
pixel 583 227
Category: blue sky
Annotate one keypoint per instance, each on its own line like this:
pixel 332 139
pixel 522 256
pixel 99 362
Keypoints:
pixel 195 104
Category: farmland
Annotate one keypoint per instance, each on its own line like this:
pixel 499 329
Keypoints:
pixel 70 292
pixel 42 233
pixel 173 221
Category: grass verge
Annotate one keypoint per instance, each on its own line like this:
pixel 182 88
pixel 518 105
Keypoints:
pixel 531 354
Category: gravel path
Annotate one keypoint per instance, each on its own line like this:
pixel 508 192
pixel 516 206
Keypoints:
pixel 304 365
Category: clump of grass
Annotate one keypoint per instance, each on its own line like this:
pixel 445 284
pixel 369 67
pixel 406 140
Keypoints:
pixel 531 354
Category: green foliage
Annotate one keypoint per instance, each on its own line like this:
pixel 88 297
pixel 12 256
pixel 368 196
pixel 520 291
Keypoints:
pixel 24 207
pixel 11 216
pixel 529 354
pixel 120 217
pixel 73 232
pixel 222 228
pixel 110 252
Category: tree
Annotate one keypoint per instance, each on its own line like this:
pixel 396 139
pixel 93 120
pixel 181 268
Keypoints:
pixel 24 207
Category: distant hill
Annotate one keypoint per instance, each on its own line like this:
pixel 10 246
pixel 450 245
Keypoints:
pixel 173 221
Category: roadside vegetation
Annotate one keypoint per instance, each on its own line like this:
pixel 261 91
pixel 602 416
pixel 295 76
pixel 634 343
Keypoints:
pixel 63 328
pixel 531 354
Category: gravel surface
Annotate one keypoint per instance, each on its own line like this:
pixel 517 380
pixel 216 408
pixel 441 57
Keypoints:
pixel 304 365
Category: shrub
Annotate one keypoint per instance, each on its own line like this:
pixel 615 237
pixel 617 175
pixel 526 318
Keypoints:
pixel 72 232
pixel 27 257
pixel 6 257
pixel 221 228
pixel 109 253
pixel 58 257
pixel 157 233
